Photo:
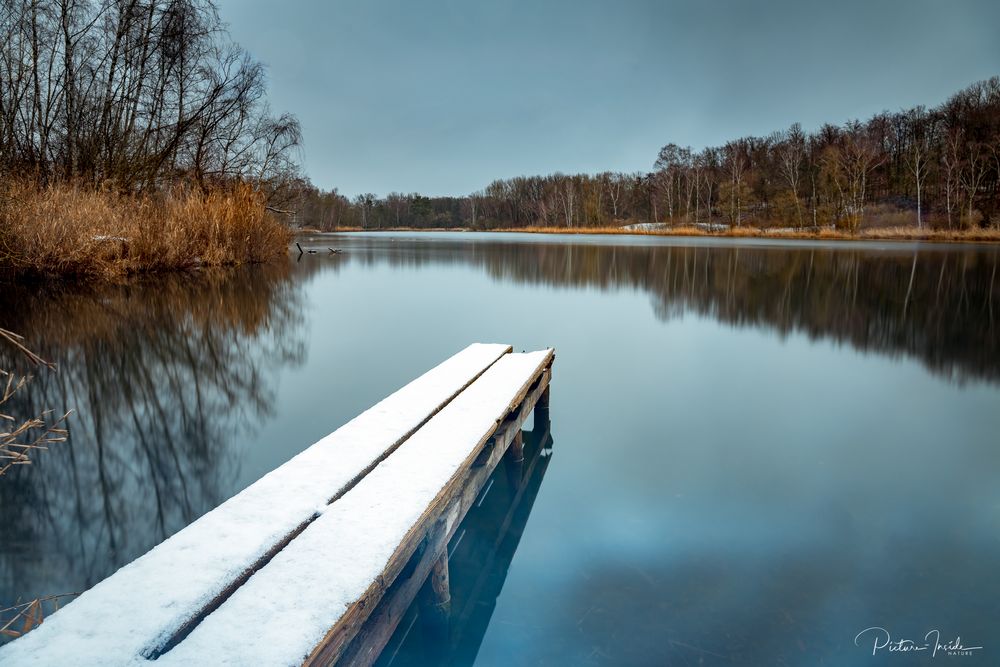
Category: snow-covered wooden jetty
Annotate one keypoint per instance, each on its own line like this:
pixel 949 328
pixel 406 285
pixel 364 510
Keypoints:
pixel 317 561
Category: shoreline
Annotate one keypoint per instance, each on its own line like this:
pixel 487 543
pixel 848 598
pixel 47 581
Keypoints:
pixel 901 234
pixel 70 232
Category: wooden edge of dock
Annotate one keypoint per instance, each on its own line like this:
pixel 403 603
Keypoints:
pixel 430 536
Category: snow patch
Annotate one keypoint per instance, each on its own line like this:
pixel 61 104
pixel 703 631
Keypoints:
pixel 286 608
pixel 143 604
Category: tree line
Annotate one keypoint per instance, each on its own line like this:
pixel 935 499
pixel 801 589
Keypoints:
pixel 918 167
pixel 134 93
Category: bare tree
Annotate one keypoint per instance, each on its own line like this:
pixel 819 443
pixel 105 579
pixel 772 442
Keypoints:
pixel 735 162
pixel 792 152
pixel 568 195
pixel 919 153
pixel 135 92
pixel 952 163
pixel 365 202
pixel 614 185
pixel 972 176
pixel 849 164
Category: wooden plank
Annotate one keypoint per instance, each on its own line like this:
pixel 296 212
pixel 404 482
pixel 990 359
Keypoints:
pixel 451 505
pixel 480 359
pixel 365 647
pixel 144 607
pixel 318 579
pixel 477 571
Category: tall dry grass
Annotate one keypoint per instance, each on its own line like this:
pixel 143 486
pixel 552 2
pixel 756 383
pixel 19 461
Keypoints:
pixel 69 230
pixel 902 233
pixel 20 438
pixel 886 233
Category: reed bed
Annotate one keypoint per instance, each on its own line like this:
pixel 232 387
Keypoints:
pixel 69 230
pixel 972 235
pixel 890 233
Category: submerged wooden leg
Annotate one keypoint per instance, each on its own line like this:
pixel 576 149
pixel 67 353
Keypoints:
pixel 542 411
pixel 440 585
pixel 516 450
pixel 435 608
pixel 514 461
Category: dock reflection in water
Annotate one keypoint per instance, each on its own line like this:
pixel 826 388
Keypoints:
pixel 479 557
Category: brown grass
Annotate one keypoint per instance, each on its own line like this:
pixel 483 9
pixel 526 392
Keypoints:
pixel 26 616
pixel 316 230
pixel 66 230
pixel 888 233
pixel 991 235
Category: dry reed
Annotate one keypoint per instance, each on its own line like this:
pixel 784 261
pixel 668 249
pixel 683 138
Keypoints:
pixel 974 235
pixel 26 616
pixel 28 436
pixel 67 230
pixel 889 233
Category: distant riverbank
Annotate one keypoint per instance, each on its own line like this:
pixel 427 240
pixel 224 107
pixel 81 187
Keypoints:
pixel 823 234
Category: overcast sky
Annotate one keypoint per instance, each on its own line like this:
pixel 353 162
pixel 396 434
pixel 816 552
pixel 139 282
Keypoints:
pixel 441 97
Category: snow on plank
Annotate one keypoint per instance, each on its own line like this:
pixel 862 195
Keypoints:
pixel 300 597
pixel 132 614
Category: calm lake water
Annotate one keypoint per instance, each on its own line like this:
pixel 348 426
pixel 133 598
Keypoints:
pixel 757 450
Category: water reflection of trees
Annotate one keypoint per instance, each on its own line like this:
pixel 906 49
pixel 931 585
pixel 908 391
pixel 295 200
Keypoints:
pixel 939 306
pixel 165 375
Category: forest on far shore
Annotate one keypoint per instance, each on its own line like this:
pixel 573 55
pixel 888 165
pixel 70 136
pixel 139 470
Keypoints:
pixel 924 168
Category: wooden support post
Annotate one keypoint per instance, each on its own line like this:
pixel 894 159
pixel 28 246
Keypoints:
pixel 436 607
pixel 514 460
pixel 440 586
pixel 516 450
pixel 542 411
